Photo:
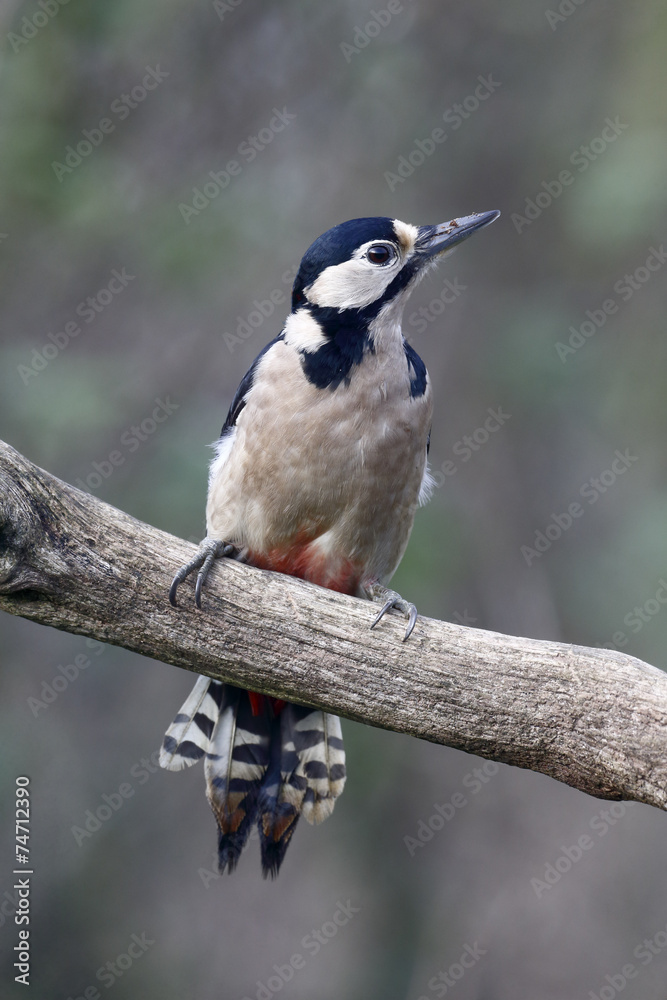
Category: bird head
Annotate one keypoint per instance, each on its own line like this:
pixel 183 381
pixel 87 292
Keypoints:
pixel 352 286
pixel 364 264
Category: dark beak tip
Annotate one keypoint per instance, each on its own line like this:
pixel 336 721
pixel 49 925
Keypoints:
pixel 479 219
pixel 449 234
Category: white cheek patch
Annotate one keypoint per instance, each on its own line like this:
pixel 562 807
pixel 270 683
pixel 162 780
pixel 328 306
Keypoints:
pixel 353 284
pixel 303 332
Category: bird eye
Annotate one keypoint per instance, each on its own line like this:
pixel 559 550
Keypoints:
pixel 379 254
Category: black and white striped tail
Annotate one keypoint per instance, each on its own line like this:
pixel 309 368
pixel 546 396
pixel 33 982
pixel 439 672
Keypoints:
pixel 266 768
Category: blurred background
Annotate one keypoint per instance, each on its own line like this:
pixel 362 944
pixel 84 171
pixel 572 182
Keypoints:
pixel 164 167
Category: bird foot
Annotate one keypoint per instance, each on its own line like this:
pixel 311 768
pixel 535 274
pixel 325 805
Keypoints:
pixel 209 550
pixel 390 599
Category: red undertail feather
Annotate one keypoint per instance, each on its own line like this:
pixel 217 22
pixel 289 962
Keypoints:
pixel 303 559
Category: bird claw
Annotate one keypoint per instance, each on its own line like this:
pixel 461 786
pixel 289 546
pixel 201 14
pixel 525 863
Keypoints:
pixel 391 599
pixel 209 550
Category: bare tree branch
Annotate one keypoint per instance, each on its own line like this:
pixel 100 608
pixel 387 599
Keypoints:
pixel 595 719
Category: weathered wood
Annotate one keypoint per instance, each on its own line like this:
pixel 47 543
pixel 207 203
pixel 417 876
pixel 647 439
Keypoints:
pixel 595 719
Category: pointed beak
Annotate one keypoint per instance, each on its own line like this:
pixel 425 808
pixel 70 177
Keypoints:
pixel 435 240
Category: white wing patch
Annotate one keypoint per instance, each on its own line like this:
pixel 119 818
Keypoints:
pixel 223 447
pixel 428 484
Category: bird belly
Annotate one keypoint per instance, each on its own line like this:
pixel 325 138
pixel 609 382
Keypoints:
pixel 323 484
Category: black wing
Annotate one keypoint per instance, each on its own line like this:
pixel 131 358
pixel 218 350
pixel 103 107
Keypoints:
pixel 416 371
pixel 244 388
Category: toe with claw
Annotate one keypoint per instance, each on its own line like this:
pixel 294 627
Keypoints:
pixel 390 599
pixel 209 550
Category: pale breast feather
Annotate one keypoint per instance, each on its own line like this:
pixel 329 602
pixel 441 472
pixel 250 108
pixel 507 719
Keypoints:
pixel 225 442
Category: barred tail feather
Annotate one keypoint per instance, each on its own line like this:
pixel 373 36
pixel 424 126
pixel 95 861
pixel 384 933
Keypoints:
pixel 323 765
pixel 236 762
pixel 277 817
pixel 310 779
pixel 316 741
pixel 188 736
pixel 265 761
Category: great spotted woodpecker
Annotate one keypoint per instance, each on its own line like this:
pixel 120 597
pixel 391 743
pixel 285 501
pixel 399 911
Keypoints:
pixel 318 472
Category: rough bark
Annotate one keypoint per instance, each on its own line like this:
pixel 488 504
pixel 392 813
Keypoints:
pixel 592 718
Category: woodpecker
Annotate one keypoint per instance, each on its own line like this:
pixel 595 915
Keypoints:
pixel 318 472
